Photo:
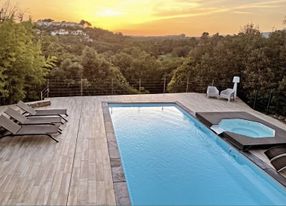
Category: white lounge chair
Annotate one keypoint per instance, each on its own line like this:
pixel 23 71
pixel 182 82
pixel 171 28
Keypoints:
pixel 212 91
pixel 227 94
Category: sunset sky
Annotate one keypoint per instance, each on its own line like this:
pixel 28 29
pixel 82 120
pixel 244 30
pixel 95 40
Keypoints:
pixel 162 17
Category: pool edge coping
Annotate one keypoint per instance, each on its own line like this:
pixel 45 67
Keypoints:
pixel 118 177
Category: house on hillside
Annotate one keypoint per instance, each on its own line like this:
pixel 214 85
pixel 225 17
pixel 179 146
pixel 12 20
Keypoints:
pixel 71 24
pixel 88 39
pixel 78 33
pixel 265 34
pixel 49 23
pixel 59 32
pixel 44 23
pixel 38 31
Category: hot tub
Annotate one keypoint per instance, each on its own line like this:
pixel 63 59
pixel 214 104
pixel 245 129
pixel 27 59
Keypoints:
pixel 246 127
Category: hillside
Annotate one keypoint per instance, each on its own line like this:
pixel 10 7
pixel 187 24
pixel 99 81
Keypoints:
pixel 77 59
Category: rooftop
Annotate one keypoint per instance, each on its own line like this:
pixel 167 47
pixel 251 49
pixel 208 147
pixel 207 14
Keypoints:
pixel 77 171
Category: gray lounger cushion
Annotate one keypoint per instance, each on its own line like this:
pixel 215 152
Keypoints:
pixel 44 112
pixel 279 163
pixel 36 120
pixel 23 130
pixel 275 151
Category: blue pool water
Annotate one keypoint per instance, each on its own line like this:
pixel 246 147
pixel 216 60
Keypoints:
pixel 169 158
pixel 247 128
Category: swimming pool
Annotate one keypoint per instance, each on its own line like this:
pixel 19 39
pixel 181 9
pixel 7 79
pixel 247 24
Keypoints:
pixel 246 127
pixel 169 157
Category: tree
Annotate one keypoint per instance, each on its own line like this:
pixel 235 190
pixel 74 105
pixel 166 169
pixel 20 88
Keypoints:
pixel 85 23
pixel 214 60
pixel 101 74
pixel 48 20
pixel 250 29
pixel 180 76
pixel 68 71
pixel 7 12
pixel 22 66
pixel 3 91
pixel 136 65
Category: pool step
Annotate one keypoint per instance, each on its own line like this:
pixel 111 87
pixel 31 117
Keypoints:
pixel 217 129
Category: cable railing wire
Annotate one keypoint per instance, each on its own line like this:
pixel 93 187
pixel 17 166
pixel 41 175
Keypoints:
pixel 267 101
pixel 76 87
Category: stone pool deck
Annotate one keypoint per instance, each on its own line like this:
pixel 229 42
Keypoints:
pixel 77 170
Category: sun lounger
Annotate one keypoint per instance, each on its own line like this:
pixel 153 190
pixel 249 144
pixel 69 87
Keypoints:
pixel 279 163
pixel 27 130
pixel 275 151
pixel 32 121
pixel 227 94
pixel 212 92
pixel 47 112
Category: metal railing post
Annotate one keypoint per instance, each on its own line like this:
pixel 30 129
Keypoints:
pixel 255 99
pixel 164 89
pixel 187 86
pixel 269 102
pixel 139 85
pixel 48 88
pixel 81 87
pixel 112 86
pixel 45 91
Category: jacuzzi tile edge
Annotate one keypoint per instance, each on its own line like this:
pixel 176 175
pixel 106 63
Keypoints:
pixel 119 182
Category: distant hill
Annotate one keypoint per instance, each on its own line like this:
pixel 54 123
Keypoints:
pixel 166 37
pixel 53 27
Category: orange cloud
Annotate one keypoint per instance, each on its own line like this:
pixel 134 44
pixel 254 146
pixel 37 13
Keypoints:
pixel 132 16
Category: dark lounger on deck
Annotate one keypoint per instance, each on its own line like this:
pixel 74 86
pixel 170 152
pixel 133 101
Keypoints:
pixel 275 151
pixel 32 121
pixel 279 163
pixel 45 112
pixel 26 130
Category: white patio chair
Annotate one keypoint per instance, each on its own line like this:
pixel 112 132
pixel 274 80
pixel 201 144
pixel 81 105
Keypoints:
pixel 212 91
pixel 227 94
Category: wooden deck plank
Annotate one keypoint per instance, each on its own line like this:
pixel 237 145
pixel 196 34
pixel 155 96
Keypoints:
pixel 76 171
